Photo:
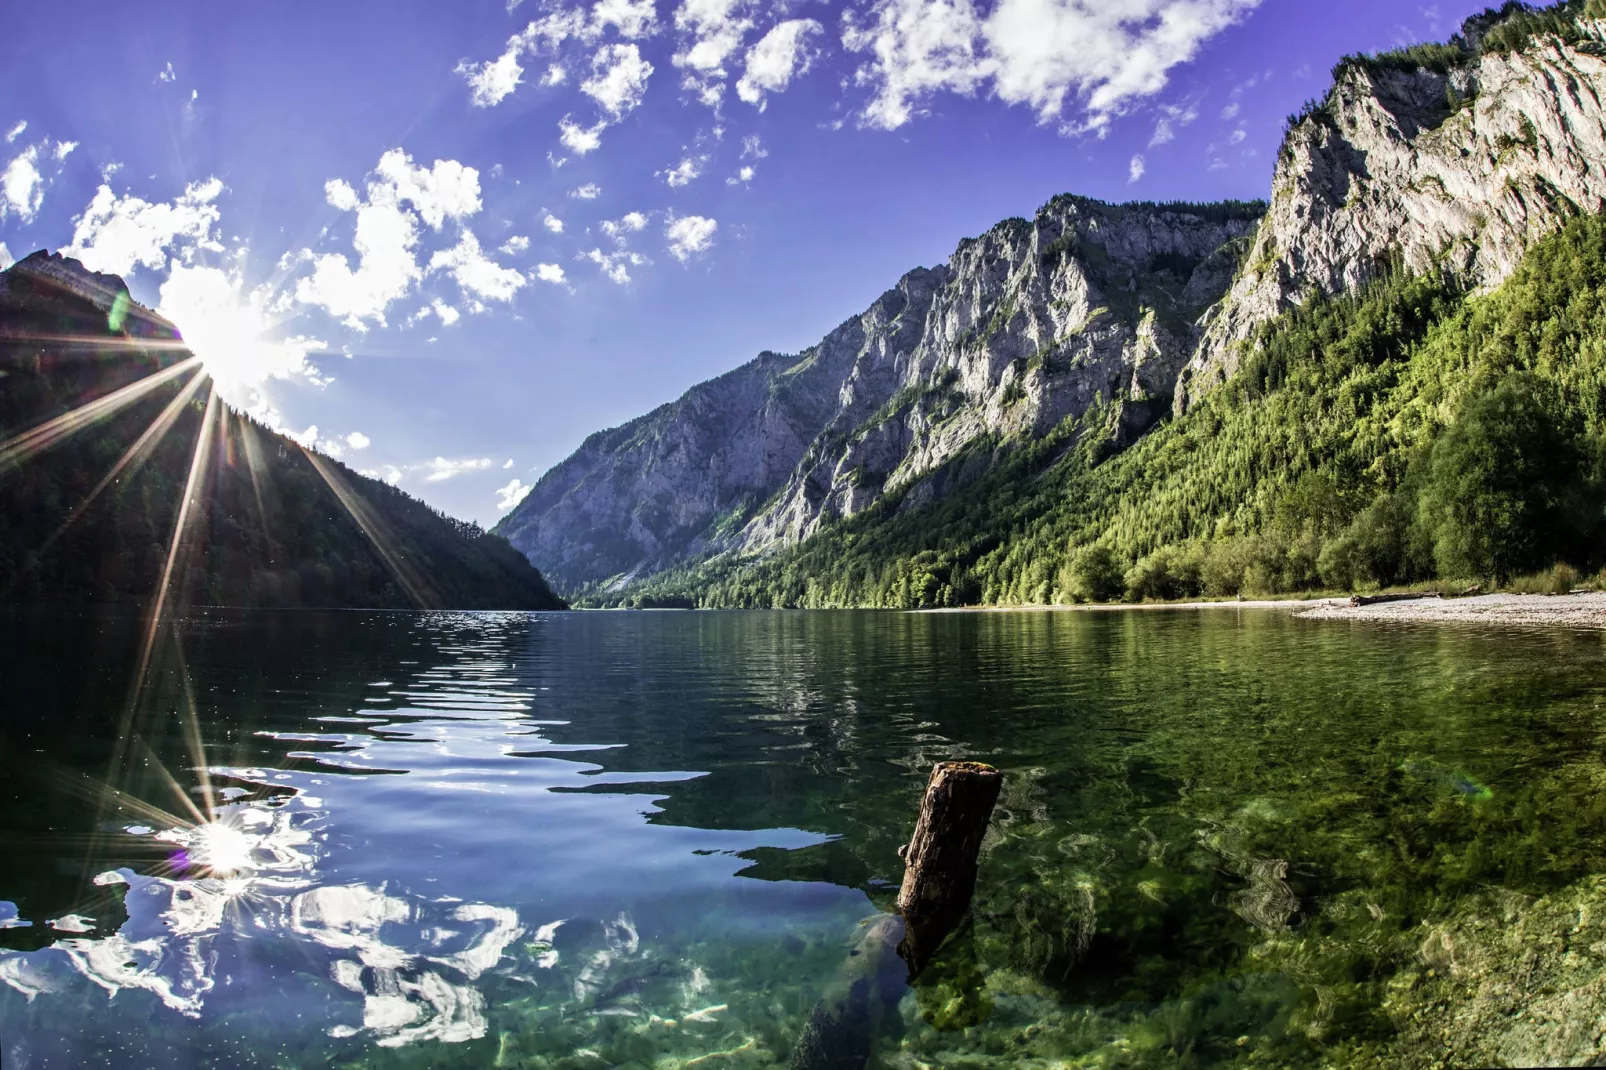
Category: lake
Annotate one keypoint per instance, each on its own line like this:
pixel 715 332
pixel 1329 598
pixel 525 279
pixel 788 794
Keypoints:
pixel 1226 837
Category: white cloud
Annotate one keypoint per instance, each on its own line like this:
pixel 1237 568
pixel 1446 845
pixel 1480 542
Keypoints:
pixel 440 469
pixel 684 172
pixel 511 495
pixel 358 441
pixel 508 465
pixel 167 74
pixel 6 259
pixel 387 234
pixel 444 312
pixel 1172 116
pixel 516 245
pixel 1135 169
pixel 233 331
pixel 1231 111
pixel 16 131
pixel 493 81
pixel 1034 52
pixel 629 223
pixel 588 192
pixel 550 273
pixel 779 56
pixel 632 18
pixel 711 32
pixel 580 139
pixel 64 149
pixel 556 74
pixel 116 234
pixel 690 235
pixel 445 190
pixel 552 223
pixel 741 178
pixel 615 266
pixel 752 146
pixel 476 273
pixel 1237 136
pixel 22 186
pixel 618 78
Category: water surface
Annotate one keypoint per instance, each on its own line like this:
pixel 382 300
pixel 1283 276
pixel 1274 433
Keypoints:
pixel 653 839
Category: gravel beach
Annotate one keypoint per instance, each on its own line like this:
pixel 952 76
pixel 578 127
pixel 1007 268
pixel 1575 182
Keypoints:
pixel 1557 611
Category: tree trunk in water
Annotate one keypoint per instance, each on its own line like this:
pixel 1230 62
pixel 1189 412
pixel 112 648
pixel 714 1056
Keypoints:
pixel 940 877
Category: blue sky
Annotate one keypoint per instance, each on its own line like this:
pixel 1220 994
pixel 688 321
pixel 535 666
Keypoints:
pixel 446 241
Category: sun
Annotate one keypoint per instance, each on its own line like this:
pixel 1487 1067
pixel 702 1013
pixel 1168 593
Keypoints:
pixel 235 331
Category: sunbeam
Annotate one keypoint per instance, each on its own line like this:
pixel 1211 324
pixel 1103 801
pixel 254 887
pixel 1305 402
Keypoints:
pixel 38 439
pixel 373 526
pixel 130 462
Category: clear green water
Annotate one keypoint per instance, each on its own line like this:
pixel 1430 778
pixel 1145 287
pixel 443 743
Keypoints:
pixel 652 839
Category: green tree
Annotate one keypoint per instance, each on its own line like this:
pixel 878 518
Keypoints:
pixel 1507 491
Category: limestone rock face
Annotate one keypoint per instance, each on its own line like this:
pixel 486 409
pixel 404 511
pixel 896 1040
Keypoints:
pixel 1031 323
pixel 1457 171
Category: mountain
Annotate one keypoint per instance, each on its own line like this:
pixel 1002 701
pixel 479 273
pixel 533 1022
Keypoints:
pixel 1392 371
pixel 1026 327
pixel 102 413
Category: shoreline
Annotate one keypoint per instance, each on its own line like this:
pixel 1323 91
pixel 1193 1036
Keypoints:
pixel 1586 610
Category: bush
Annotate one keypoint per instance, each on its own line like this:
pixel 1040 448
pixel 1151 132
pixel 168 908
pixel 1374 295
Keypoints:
pixel 1094 575
pixel 1558 579
pixel 1169 573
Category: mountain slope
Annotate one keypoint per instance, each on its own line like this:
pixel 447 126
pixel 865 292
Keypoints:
pixel 1394 377
pixel 1029 325
pixel 271 523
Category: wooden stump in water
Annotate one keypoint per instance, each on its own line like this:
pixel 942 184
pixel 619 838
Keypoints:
pixel 940 874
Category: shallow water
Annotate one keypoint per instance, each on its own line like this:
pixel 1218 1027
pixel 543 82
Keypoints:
pixel 653 839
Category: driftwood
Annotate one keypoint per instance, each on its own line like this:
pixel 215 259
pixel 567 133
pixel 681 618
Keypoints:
pixel 938 882
pixel 1379 599
pixel 940 862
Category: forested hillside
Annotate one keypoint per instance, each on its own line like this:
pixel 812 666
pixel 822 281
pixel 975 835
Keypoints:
pixel 88 506
pixel 1403 432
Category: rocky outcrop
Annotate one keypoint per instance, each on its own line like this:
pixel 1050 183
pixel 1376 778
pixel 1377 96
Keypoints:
pixel 1033 323
pixel 1455 167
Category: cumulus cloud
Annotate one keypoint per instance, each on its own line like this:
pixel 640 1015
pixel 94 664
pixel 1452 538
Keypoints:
pixel 512 494
pixel 711 31
pixel 516 245
pixel 476 273
pixel 689 235
pixel 22 186
pixel 167 73
pixel 16 131
pixel 116 234
pixel 358 441
pixel 400 194
pixel 1039 53
pixel 752 146
pixel 629 223
pixel 684 172
pixel 580 139
pixel 6 259
pixel 618 79
pixel 552 223
pixel 493 81
pixel 741 178
pixel 1136 169
pixel 780 55
pixel 588 192
pixel 444 312
pixel 615 266
pixel 550 273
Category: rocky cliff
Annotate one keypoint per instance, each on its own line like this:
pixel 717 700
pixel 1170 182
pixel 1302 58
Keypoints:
pixel 1452 159
pixel 1031 323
